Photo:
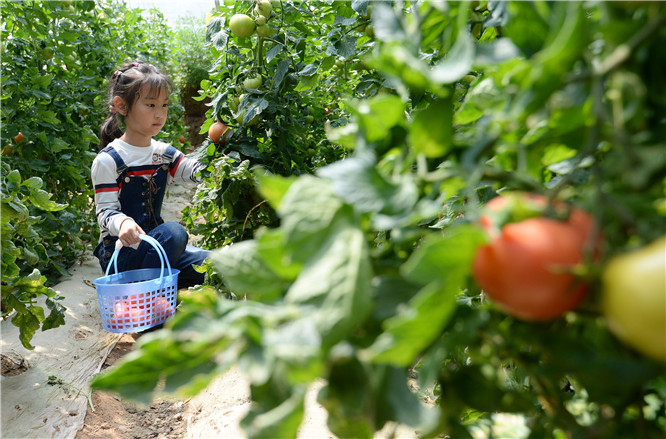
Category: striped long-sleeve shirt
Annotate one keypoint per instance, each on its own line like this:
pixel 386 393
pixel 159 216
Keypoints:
pixel 141 161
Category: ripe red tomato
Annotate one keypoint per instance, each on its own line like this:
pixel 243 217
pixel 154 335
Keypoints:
pixel 181 139
pixel 125 314
pixel 527 266
pixel 161 309
pixel 217 133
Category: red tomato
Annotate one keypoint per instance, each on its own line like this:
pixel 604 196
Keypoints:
pixel 139 301
pixel 161 309
pixel 126 315
pixel 217 133
pixel 527 266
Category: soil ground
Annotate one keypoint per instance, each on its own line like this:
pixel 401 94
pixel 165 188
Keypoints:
pixel 114 418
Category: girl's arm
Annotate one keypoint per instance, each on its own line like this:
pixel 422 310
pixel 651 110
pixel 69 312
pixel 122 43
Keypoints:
pixel 107 204
pixel 184 169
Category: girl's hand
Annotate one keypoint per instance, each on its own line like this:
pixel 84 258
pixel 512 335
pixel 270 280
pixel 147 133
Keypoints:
pixel 129 232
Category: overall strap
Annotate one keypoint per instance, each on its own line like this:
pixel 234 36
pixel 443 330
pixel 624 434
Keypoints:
pixel 168 154
pixel 121 167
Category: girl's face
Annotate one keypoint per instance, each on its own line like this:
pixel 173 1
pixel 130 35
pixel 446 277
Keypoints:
pixel 147 116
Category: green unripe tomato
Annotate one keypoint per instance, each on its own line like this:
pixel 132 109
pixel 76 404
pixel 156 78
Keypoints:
pixel 634 298
pixel 370 31
pixel 260 20
pixel 252 121
pixel 253 82
pixel 309 118
pixel 266 31
pixel 242 25
pixel 233 104
pixel 263 7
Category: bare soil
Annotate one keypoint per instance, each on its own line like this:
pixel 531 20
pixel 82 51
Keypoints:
pixel 114 418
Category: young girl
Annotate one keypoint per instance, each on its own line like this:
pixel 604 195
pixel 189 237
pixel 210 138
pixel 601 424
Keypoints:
pixel 131 173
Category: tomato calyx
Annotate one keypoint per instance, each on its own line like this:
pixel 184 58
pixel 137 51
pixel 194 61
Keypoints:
pixel 515 207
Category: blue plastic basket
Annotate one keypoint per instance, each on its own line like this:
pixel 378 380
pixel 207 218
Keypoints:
pixel 136 300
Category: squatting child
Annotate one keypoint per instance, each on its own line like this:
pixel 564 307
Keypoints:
pixel 132 171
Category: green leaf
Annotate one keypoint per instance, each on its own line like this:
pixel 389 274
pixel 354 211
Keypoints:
pixel 415 327
pixel 348 399
pixel 457 63
pixel 445 258
pixel 271 246
pixel 58 145
pixel 57 315
pixel 273 187
pixel 396 402
pixel 378 115
pixel 526 27
pixel 397 61
pixel 42 199
pixel 33 183
pixel 11 210
pixel 28 324
pixel 14 177
pixel 358 182
pixel 336 280
pixel 431 132
pixel 30 256
pixel 245 272
pixel 280 420
pixel 307 210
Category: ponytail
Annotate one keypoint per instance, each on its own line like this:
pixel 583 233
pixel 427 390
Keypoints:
pixel 110 130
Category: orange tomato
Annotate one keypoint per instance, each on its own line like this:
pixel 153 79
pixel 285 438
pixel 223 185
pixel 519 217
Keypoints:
pixel 217 133
pixel 162 309
pixel 125 314
pixel 527 268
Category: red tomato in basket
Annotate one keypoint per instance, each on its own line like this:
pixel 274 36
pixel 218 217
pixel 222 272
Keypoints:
pixel 161 309
pixel 141 300
pixel 125 314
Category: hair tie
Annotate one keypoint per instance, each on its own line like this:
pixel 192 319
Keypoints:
pixel 136 64
pixel 112 109
pixel 116 73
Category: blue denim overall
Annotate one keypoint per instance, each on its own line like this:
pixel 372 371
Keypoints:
pixel 141 199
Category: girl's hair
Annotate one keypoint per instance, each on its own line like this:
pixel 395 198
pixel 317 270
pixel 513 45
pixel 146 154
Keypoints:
pixel 126 82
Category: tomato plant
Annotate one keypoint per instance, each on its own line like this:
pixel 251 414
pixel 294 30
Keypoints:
pixel 276 86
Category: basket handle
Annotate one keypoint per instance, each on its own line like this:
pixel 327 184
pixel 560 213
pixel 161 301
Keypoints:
pixel 152 241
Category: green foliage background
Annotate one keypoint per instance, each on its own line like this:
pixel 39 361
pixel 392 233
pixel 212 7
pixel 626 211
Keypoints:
pixel 346 212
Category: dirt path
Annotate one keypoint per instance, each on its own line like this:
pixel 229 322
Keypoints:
pixel 114 418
